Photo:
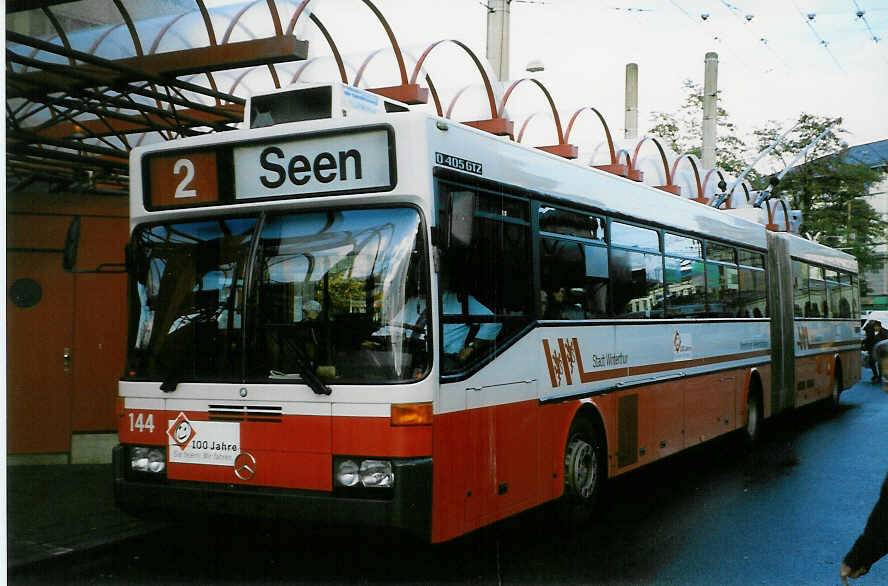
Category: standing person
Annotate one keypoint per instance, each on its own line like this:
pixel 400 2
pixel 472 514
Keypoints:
pixel 872 544
pixel 874 334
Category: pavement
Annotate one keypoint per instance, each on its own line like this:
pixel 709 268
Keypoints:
pixel 62 510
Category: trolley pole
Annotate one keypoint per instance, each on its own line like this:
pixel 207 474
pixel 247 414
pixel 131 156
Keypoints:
pixel 710 112
pixel 631 130
pixel 498 37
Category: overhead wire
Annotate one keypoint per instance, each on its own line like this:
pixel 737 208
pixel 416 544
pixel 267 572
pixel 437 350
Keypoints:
pixel 823 42
pixel 861 15
pixel 728 48
pixel 747 19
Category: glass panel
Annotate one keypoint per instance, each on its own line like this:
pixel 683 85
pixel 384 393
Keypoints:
pixel 637 281
pixel 343 293
pixel 720 253
pixel 634 236
pixel 485 287
pixel 846 301
pixel 753 301
pixel 750 259
pixel 682 245
pixel 817 306
pixel 686 296
pixel 799 287
pixel 574 279
pixel 571 224
pixel 834 293
pixel 186 301
pixel 506 207
pixel 722 290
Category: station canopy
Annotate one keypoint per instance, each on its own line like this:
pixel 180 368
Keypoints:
pixel 88 81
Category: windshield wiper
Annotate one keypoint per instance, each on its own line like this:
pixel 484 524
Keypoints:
pixel 308 375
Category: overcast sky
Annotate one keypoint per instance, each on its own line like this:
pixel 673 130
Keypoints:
pixel 772 66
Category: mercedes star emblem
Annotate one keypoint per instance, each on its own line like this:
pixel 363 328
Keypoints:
pixel 245 466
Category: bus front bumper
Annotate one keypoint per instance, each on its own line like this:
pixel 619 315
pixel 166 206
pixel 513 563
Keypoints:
pixel 408 506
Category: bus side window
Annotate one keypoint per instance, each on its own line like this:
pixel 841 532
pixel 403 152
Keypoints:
pixel 636 271
pixel 801 303
pixel 574 279
pixel 485 287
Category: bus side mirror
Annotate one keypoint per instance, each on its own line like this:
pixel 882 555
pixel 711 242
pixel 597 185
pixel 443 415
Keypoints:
pixel 462 218
pixel 72 241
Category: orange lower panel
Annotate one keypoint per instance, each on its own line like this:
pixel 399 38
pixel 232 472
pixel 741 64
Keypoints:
pixel 376 436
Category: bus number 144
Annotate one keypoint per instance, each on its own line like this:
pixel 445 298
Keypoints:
pixel 141 423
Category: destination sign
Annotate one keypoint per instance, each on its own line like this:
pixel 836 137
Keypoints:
pixel 351 162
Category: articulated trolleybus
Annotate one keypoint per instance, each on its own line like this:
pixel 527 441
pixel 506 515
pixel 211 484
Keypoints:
pixel 352 313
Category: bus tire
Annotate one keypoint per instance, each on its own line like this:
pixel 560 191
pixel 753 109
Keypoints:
pixel 752 431
pixel 584 470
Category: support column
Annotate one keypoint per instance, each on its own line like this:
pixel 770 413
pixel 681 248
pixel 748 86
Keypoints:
pixel 631 129
pixel 498 37
pixel 710 111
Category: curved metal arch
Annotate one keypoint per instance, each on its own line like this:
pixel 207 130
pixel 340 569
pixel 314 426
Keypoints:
pixel 304 65
pixel 137 42
pixel 238 79
pixel 502 106
pixel 693 160
pixel 58 28
pixel 709 173
pixel 610 141
pixel 275 18
pixel 95 46
pixel 208 23
pixel 235 19
pixel 363 66
pixel 662 156
pixel 163 32
pixel 627 155
pixel 484 77
pixel 771 225
pixel 336 55
pixel 524 126
pixel 388 30
pixel 211 36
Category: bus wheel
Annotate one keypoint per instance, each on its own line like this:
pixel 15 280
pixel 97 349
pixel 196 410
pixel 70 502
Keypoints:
pixel 583 469
pixel 752 431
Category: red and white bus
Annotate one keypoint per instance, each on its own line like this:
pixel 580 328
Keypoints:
pixel 354 313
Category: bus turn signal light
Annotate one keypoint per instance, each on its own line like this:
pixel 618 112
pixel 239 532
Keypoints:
pixel 412 414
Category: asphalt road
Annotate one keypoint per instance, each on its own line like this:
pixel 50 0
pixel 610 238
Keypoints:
pixel 784 513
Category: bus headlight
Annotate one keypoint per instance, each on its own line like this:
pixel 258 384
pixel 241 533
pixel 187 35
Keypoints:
pixel 147 459
pixel 377 474
pixel 353 472
pixel 347 473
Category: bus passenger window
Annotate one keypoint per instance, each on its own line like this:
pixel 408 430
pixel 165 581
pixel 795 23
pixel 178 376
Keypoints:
pixel 637 280
pixel 722 290
pixel 800 289
pixel 574 279
pixel 753 301
pixel 817 306
pixel 568 223
pixel 686 296
pixel 485 287
pixel 686 285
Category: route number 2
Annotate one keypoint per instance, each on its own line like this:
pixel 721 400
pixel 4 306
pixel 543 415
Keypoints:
pixel 188 167
pixel 142 423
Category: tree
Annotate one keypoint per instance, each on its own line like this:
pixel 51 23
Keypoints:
pixel 826 186
pixel 683 132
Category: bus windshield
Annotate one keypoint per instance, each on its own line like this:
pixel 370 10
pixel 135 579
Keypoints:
pixel 264 299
